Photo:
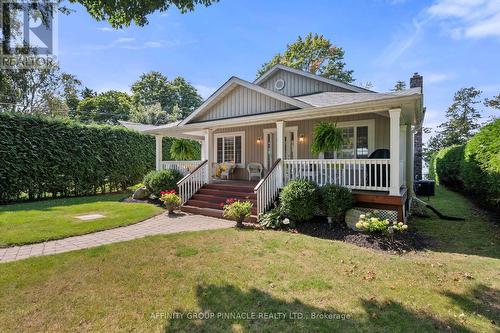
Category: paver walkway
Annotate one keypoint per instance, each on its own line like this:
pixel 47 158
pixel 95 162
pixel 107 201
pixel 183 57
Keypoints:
pixel 161 224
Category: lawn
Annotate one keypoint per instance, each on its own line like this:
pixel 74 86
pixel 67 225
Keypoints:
pixel 138 285
pixel 53 219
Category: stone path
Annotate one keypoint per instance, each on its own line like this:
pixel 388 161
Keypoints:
pixel 161 224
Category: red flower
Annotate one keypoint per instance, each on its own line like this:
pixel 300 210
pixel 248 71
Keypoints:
pixel 168 192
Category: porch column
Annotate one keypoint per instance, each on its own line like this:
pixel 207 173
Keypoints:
pixel 280 149
pixel 395 185
pixel 409 159
pixel 159 151
pixel 208 153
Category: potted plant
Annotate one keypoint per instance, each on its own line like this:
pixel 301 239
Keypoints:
pixel 326 137
pixel 171 200
pixel 237 210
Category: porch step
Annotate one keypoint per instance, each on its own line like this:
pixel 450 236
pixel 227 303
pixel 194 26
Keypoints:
pixel 212 212
pixel 213 205
pixel 230 187
pixel 221 198
pixel 226 194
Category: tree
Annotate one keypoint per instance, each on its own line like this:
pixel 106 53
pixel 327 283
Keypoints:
pixel 493 103
pixel 87 93
pixel 400 85
pixel 461 124
pixel 106 107
pixel 154 87
pixel 149 114
pixel 70 90
pixel 315 54
pixel 122 12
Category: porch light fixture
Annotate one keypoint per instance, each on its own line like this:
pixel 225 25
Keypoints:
pixel 258 140
pixel 301 138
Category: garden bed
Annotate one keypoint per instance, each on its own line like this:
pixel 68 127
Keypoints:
pixel 401 243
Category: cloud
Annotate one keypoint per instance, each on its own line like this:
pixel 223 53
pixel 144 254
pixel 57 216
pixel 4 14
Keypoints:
pixel 107 29
pixel 204 91
pixel 467 18
pixel 431 78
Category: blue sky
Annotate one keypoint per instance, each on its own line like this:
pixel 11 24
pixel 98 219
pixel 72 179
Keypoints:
pixel 452 43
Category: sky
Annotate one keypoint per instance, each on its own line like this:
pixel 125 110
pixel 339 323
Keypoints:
pixel 452 43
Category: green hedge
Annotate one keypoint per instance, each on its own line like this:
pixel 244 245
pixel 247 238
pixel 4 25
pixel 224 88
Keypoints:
pixel 474 167
pixel 447 166
pixel 480 167
pixel 50 158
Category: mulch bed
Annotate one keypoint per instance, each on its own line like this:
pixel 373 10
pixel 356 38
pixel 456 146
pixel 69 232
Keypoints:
pixel 399 244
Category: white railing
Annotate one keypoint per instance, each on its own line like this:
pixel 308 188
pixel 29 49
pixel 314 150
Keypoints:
pixel 359 174
pixel 193 181
pixel 268 187
pixel 183 167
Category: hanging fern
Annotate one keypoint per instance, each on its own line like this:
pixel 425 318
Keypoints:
pixel 184 150
pixel 326 137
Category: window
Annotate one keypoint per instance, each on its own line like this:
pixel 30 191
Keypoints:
pixel 358 141
pixel 229 148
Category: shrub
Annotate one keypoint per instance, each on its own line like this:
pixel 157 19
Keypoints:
pixel 335 201
pixel 480 168
pixel 44 157
pixel 447 166
pixel 299 200
pixel 158 181
pixel 171 200
pixel 237 210
pixel 273 219
pixel 372 223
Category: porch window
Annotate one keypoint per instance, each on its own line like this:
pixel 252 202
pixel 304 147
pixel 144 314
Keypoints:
pixel 229 148
pixel 356 143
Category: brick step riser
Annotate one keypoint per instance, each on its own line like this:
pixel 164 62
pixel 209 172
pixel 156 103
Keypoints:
pixel 219 199
pixel 205 204
pixel 227 194
pixel 229 188
pixel 212 213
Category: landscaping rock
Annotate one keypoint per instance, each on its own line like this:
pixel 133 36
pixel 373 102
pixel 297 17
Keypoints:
pixel 141 194
pixel 352 217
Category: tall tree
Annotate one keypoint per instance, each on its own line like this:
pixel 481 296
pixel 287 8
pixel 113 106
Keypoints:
pixel 107 107
pixel 121 13
pixel 71 87
pixel 149 114
pixel 400 85
pixel 462 120
pixel 154 87
pixel 87 93
pixel 493 103
pixel 315 54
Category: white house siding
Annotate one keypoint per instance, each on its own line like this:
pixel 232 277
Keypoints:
pixel 296 85
pixel 254 152
pixel 242 101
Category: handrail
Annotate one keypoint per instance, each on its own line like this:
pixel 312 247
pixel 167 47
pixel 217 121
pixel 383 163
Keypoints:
pixel 259 184
pixel 189 174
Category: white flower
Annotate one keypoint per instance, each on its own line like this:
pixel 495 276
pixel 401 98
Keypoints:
pixel 362 216
pixel 286 221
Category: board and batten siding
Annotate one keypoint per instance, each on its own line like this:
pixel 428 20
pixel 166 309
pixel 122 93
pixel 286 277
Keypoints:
pixel 254 152
pixel 296 85
pixel 242 101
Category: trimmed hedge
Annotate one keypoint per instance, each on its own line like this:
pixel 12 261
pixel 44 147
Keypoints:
pixel 54 158
pixel 474 167
pixel 163 180
pixel 299 200
pixel 447 166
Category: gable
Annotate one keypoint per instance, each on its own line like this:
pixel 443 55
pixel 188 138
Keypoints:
pixel 297 85
pixel 242 101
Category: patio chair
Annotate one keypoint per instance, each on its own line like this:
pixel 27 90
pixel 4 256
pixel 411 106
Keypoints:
pixel 254 170
pixel 228 170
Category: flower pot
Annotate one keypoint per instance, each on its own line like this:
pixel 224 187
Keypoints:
pixel 239 222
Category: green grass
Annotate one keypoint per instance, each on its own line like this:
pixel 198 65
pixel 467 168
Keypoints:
pixel 135 285
pixel 34 222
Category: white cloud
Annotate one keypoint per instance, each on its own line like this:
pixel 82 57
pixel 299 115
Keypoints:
pixel 468 18
pixel 431 78
pixel 107 29
pixel 204 91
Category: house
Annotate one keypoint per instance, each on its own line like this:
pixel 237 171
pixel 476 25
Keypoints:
pixel 270 121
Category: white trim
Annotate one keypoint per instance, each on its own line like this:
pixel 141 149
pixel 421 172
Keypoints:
pixel 288 129
pixel 339 84
pixel 228 86
pixel 370 123
pixel 229 134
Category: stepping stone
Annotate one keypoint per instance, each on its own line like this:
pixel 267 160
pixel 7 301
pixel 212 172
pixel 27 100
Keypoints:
pixel 89 217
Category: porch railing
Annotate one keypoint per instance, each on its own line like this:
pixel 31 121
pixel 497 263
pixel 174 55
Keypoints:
pixel 359 174
pixel 183 167
pixel 268 188
pixel 193 181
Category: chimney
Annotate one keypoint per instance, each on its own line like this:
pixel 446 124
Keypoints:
pixel 417 81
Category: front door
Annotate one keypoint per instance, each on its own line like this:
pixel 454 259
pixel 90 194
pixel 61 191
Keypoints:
pixel 270 145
